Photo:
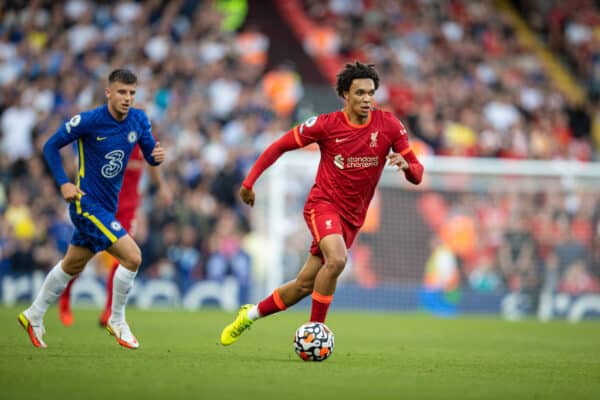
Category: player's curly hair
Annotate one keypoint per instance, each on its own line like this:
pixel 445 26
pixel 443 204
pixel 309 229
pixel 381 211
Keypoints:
pixel 355 70
pixel 122 75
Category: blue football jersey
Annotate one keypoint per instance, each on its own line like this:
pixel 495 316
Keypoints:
pixel 104 146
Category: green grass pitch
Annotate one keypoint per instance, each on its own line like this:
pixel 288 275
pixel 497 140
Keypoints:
pixel 377 356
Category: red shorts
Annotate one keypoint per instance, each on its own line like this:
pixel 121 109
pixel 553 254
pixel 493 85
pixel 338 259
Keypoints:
pixel 323 219
pixel 125 216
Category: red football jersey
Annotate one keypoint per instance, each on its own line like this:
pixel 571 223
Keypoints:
pixel 352 158
pixel 129 196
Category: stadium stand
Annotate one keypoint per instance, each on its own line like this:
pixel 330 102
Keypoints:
pixel 456 72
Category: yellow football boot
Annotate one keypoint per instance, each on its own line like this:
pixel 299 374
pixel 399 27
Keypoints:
pixel 233 331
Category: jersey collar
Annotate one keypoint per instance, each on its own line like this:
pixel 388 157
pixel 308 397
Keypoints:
pixel 113 118
pixel 356 125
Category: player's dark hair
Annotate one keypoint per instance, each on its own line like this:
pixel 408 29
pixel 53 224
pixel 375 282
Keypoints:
pixel 122 75
pixel 355 70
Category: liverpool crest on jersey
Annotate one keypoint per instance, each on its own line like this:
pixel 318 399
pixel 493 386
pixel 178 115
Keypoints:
pixel 374 139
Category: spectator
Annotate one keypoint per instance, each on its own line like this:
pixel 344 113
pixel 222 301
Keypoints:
pixel 484 277
pixel 577 280
pixel 227 257
pixel 283 88
pixel 17 124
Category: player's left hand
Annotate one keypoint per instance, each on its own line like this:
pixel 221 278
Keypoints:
pixel 158 153
pixel 395 159
pixel 247 196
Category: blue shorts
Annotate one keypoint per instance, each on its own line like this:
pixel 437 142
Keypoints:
pixel 95 228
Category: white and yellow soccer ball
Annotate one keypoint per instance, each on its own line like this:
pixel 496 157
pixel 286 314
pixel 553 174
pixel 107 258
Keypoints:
pixel 314 341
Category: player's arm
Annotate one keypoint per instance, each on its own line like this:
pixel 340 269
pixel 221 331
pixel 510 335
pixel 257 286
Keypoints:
pixel 312 130
pixel 67 133
pixel 404 158
pixel 151 149
pixel 289 141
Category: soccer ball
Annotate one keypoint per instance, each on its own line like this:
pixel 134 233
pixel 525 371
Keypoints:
pixel 314 341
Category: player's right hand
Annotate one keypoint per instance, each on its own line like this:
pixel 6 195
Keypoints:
pixel 247 196
pixel 71 192
pixel 158 153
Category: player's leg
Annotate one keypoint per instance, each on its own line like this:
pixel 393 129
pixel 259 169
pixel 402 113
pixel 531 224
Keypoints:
pixel 336 255
pixel 293 291
pixel 283 297
pixel 129 255
pixel 32 319
pixel 333 236
pixel 64 301
pixel 126 216
pixel 109 293
pixel 321 220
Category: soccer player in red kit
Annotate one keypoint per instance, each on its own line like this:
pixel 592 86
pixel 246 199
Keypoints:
pixel 355 144
pixel 129 200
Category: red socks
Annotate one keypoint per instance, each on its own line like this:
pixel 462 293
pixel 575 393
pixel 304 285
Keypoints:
pixel 64 301
pixel 320 305
pixel 109 284
pixel 271 304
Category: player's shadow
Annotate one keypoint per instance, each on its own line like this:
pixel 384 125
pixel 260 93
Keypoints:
pixel 248 359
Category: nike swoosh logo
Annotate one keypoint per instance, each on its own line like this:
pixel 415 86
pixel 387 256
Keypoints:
pixel 338 140
pixel 99 138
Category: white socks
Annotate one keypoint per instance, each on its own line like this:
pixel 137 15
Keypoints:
pixel 53 286
pixel 253 313
pixel 122 284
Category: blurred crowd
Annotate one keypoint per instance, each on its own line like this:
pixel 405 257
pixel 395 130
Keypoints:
pixel 453 71
pixel 571 29
pixel 531 243
pixel 456 72
pixel 201 83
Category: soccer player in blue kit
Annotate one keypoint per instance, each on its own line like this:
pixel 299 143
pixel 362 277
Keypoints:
pixel 106 136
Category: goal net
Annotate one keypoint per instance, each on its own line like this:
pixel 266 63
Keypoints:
pixel 478 235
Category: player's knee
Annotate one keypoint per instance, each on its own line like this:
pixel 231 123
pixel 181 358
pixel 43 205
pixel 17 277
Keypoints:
pixel 336 263
pixel 133 260
pixel 136 259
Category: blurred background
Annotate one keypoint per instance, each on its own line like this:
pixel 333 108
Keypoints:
pixel 501 100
